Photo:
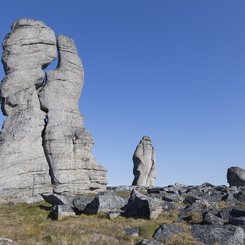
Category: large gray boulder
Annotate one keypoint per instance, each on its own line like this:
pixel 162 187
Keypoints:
pixel 144 163
pixel 44 146
pixel 27 49
pixel 236 176
pixel 141 206
pixel 106 202
pixel 165 231
pixel 61 212
pixel 218 234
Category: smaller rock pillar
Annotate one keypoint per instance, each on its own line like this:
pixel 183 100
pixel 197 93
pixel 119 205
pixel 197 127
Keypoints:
pixel 144 163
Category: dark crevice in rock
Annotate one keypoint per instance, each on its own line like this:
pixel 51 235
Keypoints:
pixel 34 43
pixel 54 181
pixel 51 173
pixel 2 106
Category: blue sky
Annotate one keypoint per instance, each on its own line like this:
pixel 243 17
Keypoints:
pixel 173 70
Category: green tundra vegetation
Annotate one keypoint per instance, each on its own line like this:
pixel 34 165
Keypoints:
pixel 29 224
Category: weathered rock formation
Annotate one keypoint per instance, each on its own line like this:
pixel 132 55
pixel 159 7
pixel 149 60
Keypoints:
pixel 43 144
pixel 144 163
pixel 27 49
pixel 236 176
pixel 67 143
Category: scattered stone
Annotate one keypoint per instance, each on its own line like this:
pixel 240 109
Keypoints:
pixel 240 196
pixel 237 221
pixel 165 231
pixel 107 202
pixel 156 190
pixel 113 215
pixel 238 212
pixel 62 211
pixel 5 241
pixel 224 213
pixel 144 163
pixel 172 189
pixel 190 199
pixel 132 231
pixel 149 242
pixel 120 188
pixel 82 202
pixel 56 199
pixel 228 197
pixel 209 218
pixel 221 234
pixel 171 197
pixel 141 206
pixel 236 176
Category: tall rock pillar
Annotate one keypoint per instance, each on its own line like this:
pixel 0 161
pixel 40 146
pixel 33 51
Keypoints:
pixel 27 49
pixel 44 146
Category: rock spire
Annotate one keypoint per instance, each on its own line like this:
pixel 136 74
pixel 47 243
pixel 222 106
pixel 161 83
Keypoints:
pixel 43 144
pixel 144 163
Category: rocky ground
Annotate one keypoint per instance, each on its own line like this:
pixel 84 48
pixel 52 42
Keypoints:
pixel 175 214
pixel 209 214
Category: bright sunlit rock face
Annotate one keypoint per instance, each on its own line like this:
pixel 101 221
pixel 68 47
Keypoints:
pixel 144 159
pixel 43 144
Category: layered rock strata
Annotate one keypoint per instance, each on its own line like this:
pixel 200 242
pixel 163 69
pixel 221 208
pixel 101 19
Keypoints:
pixel 43 144
pixel 67 143
pixel 144 163
pixel 27 49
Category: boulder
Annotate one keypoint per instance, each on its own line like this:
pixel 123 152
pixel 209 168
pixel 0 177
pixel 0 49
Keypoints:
pixel 228 197
pixel 144 163
pixel 134 231
pixel 225 213
pixel 82 202
pixel 221 234
pixel 237 217
pixel 240 196
pixel 236 176
pixel 165 231
pixel 209 218
pixel 107 202
pixel 149 242
pixel 240 221
pixel 5 241
pixel 141 206
pixel 171 197
pixel 62 211
pixel 237 212
pixel 113 215
pixel 56 199
pixel 191 199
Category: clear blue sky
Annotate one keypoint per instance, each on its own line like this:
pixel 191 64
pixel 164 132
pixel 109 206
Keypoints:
pixel 173 70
